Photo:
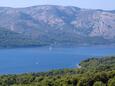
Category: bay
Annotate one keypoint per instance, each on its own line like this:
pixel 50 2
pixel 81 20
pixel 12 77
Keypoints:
pixel 26 60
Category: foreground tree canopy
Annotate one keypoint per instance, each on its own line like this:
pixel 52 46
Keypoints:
pixel 93 72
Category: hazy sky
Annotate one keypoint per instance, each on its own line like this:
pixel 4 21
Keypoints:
pixel 93 4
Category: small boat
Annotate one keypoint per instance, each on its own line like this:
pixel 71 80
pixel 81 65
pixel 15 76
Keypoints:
pixel 50 48
pixel 36 63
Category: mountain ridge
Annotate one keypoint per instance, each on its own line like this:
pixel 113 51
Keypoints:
pixel 55 24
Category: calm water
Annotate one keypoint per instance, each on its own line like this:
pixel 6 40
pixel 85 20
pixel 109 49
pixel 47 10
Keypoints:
pixel 23 60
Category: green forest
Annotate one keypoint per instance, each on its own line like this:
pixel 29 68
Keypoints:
pixel 92 72
pixel 9 39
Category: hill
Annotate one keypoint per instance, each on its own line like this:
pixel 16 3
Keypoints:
pixel 60 25
pixel 9 39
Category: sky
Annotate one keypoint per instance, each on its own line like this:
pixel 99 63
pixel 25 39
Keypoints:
pixel 90 4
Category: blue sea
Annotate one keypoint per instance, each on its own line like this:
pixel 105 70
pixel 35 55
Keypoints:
pixel 40 59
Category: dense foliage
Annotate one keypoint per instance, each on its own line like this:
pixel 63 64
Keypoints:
pixel 93 72
pixel 12 38
pixel 9 39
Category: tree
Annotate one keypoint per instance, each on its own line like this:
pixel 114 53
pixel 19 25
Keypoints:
pixel 99 83
pixel 111 82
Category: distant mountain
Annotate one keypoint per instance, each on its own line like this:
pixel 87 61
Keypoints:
pixel 59 25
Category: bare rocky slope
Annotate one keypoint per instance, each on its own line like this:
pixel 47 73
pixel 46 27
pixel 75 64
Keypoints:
pixel 56 25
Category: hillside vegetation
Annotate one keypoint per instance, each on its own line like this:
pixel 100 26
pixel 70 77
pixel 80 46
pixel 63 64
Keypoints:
pixel 9 39
pixel 93 72
pixel 57 25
